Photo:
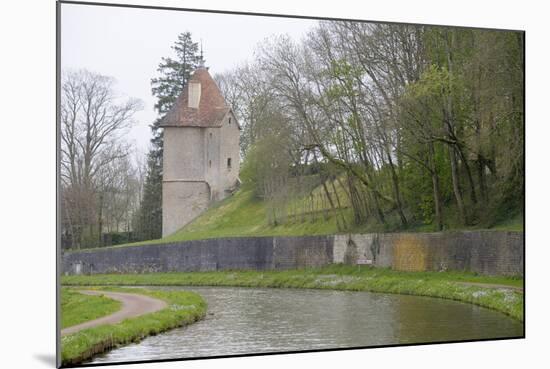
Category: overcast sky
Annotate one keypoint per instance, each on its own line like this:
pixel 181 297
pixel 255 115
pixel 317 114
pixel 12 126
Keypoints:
pixel 128 44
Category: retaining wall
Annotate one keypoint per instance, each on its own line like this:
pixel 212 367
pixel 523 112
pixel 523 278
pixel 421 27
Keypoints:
pixel 485 252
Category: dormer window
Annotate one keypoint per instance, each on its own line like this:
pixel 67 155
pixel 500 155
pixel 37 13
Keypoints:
pixel 194 92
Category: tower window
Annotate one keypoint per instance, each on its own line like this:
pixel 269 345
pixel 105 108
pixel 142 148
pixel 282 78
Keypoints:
pixel 210 163
pixel 228 163
pixel 229 120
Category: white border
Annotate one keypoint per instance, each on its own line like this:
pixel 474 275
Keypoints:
pixel 27 202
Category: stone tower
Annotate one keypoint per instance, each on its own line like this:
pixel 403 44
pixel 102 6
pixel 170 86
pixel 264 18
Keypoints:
pixel 201 152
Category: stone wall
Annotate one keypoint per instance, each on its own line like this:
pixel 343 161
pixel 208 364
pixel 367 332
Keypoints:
pixel 195 196
pixel 184 155
pixel 485 252
pixel 226 178
pixel 185 193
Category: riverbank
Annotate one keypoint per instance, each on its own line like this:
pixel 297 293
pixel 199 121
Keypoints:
pixel 448 285
pixel 183 308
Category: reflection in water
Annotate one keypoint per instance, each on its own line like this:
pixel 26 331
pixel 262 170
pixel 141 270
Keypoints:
pixel 258 320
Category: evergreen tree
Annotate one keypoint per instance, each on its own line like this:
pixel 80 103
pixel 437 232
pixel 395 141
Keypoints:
pixel 174 74
pixel 149 221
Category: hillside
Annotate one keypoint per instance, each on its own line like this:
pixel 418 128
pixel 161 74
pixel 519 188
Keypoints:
pixel 243 215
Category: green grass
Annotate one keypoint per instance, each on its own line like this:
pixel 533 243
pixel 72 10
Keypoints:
pixel 243 215
pixel 514 224
pixel 183 308
pixel 78 308
pixel 339 277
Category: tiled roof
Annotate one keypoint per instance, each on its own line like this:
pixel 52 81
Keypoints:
pixel 212 107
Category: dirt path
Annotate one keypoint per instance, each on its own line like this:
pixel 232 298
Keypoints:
pixel 491 285
pixel 132 305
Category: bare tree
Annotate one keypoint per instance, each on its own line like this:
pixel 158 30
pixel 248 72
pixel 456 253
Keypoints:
pixel 93 122
pixel 247 90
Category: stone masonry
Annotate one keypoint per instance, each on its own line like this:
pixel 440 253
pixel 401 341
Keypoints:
pixel 484 252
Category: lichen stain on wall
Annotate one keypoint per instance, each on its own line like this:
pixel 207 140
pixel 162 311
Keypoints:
pixel 411 254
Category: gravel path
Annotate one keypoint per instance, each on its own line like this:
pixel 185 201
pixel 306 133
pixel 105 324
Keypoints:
pixel 132 305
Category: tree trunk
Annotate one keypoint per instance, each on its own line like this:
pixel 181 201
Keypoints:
pixel 354 200
pixel 456 186
pixel 397 193
pixel 481 178
pixel 340 210
pixel 331 203
pixel 435 185
pixel 100 219
pixel 473 195
pixel 449 124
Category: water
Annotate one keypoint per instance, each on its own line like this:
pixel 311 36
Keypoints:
pixel 260 320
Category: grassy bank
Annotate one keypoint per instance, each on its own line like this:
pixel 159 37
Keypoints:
pixel 78 308
pixel 183 308
pixel 244 215
pixel 435 284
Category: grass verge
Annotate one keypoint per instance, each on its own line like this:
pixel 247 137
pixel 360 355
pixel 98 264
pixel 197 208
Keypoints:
pixel 78 308
pixel 339 277
pixel 184 307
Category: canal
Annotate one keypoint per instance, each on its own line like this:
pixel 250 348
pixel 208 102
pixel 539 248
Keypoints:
pixel 261 320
